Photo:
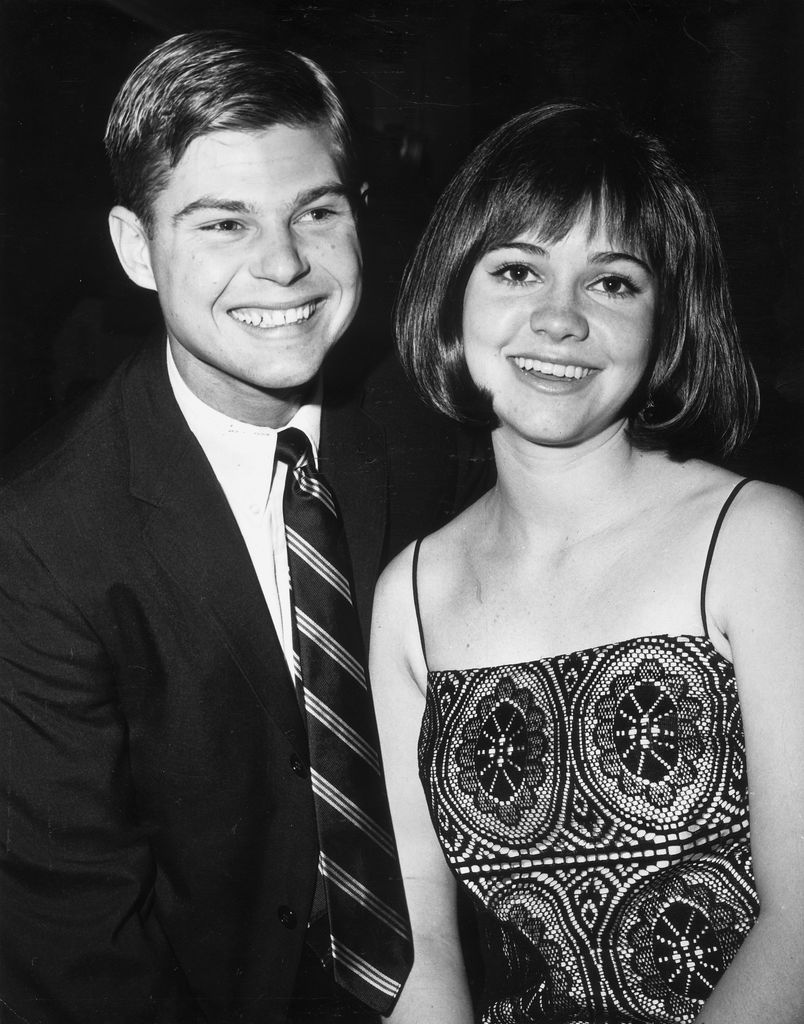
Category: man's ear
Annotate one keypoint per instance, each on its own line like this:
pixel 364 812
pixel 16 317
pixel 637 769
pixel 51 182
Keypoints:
pixel 132 245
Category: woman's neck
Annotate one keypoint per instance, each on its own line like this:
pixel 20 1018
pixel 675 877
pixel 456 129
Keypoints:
pixel 571 491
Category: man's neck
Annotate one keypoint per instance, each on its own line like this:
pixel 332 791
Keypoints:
pixel 239 400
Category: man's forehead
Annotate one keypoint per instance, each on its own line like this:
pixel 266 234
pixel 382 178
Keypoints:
pixel 245 171
pixel 273 150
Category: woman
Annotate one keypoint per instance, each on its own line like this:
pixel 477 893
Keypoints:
pixel 593 656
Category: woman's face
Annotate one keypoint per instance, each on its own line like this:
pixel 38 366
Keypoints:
pixel 559 333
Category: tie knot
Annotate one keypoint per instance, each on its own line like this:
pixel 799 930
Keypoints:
pixel 293 446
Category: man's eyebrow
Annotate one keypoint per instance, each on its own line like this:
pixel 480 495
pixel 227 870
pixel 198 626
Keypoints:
pixel 218 203
pixel 213 203
pixel 335 189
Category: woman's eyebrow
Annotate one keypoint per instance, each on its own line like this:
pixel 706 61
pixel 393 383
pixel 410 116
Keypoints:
pixel 614 256
pixel 605 256
pixel 526 247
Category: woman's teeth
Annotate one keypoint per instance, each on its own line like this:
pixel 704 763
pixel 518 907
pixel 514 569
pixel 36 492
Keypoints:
pixel 552 369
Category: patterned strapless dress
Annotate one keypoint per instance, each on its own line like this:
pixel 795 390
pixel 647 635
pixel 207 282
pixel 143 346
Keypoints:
pixel 594 806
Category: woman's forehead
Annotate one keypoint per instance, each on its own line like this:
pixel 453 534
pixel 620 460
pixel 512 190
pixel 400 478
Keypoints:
pixel 599 224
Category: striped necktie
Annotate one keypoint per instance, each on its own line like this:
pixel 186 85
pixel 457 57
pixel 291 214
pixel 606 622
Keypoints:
pixel 369 928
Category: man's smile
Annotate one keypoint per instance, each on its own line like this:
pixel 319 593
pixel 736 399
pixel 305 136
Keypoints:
pixel 268 318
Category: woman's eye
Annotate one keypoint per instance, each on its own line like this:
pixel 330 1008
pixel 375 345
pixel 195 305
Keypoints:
pixel 614 284
pixel 515 273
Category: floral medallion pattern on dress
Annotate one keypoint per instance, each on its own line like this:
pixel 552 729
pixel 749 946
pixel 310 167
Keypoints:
pixel 594 806
pixel 648 732
pixel 501 757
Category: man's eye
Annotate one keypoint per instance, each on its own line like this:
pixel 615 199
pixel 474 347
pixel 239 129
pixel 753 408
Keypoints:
pixel 318 214
pixel 223 226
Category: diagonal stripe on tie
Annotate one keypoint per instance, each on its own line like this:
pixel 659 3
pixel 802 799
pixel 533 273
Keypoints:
pixel 369 928
pixel 349 809
pixel 364 969
pixel 351 737
pixel 359 892
pixel 318 563
pixel 316 490
pixel 330 646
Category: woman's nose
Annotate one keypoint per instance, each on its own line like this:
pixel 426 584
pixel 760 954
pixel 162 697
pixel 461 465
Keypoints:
pixel 558 315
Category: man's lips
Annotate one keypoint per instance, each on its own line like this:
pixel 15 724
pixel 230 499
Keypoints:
pixel 268 317
pixel 561 370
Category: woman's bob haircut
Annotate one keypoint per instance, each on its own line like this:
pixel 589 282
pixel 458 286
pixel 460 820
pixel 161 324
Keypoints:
pixel 542 172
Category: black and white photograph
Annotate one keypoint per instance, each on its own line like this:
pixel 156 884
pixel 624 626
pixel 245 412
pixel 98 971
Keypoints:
pixel 401 517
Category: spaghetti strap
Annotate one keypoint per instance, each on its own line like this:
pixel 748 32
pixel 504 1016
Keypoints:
pixel 416 548
pixel 726 506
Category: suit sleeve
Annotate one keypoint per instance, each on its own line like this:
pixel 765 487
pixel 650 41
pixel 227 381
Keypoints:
pixel 77 940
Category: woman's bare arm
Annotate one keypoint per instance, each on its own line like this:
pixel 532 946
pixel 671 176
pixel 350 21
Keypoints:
pixel 436 991
pixel 757 587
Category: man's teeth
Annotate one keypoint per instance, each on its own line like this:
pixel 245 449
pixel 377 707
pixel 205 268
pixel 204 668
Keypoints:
pixel 553 369
pixel 273 317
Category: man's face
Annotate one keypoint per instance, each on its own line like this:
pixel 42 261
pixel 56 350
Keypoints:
pixel 255 257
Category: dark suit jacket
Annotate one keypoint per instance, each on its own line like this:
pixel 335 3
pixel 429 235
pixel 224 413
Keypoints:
pixel 158 834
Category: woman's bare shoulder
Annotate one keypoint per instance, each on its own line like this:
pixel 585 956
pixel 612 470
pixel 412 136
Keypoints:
pixel 431 566
pixel 703 487
pixel 443 548
pixel 764 513
pixel 758 563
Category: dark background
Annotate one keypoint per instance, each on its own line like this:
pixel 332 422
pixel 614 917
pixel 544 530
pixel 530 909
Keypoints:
pixel 722 81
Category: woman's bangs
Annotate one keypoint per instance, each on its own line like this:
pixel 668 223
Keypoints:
pixel 521 208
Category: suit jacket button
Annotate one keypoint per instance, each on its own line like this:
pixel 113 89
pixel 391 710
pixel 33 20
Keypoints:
pixel 287 916
pixel 298 766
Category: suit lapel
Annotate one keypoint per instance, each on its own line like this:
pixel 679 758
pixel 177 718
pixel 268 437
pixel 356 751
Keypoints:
pixel 192 533
pixel 353 459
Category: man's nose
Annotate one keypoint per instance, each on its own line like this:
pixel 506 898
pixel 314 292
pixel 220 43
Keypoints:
pixel 558 315
pixel 278 256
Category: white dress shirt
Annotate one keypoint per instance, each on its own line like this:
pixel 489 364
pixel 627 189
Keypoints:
pixel 242 458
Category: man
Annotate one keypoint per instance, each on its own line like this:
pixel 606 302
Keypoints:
pixel 167 812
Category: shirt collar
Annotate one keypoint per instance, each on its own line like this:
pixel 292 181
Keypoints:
pixel 206 422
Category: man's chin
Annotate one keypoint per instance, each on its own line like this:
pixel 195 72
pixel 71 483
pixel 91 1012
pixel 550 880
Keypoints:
pixel 286 389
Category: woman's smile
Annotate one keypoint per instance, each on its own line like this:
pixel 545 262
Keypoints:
pixel 540 368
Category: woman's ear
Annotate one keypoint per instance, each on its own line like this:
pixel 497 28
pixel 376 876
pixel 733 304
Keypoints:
pixel 133 246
